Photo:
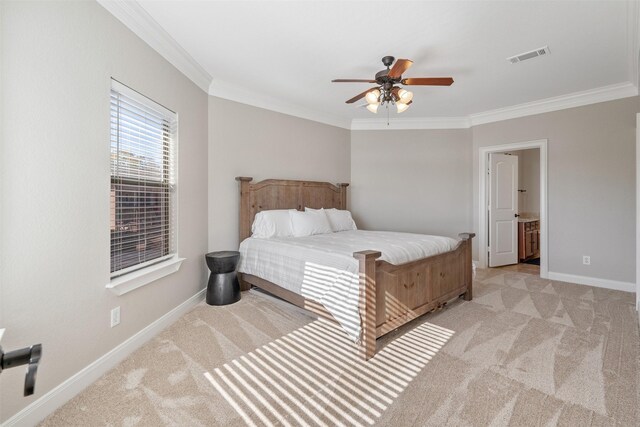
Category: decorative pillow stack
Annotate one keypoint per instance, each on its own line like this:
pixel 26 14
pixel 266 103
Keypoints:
pixel 309 223
pixel 340 220
pixel 293 223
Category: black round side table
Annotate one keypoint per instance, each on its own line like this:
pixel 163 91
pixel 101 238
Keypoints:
pixel 223 287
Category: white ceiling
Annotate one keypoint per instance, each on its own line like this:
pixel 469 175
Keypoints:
pixel 286 53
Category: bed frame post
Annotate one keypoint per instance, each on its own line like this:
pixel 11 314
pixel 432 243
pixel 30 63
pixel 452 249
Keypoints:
pixel 468 269
pixel 367 301
pixel 343 194
pixel 245 211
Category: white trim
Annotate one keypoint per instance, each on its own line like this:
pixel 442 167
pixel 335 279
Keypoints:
pixel 638 214
pixel 397 123
pixel 140 266
pixel 221 89
pixel 130 281
pixel 482 199
pixel 576 99
pixel 572 100
pixel 134 17
pixel 49 402
pixel 593 281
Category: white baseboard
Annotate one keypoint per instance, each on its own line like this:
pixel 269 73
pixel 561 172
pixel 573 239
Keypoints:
pixel 45 405
pixel 593 281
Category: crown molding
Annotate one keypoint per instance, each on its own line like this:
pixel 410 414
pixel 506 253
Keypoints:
pixel 407 123
pixel 576 99
pixel 134 17
pixel 239 94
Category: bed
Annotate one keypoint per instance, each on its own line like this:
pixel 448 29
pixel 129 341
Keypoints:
pixel 387 295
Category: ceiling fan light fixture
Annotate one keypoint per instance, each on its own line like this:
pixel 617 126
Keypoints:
pixel 401 107
pixel 404 96
pixel 373 96
pixel 387 91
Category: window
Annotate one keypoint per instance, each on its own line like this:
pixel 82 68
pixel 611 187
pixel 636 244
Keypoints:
pixel 143 184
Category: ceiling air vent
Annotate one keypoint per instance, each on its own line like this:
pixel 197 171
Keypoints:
pixel 528 55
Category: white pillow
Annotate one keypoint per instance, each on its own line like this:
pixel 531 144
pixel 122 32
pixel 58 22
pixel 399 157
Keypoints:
pixel 309 223
pixel 340 220
pixel 272 223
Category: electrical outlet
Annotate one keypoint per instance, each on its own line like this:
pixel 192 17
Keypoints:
pixel 115 316
pixel 586 259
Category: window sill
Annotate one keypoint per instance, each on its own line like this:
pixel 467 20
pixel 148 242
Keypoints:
pixel 134 280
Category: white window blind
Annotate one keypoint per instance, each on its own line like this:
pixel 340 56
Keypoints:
pixel 143 184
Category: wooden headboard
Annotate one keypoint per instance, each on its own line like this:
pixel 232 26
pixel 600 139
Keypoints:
pixel 286 194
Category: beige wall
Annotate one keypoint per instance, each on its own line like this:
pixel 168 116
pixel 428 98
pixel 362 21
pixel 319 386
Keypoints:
pixel 591 173
pixel 529 180
pixel 424 180
pixel 412 180
pixel 57 60
pixel 250 141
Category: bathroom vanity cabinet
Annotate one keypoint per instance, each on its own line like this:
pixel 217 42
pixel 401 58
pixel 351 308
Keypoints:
pixel 528 239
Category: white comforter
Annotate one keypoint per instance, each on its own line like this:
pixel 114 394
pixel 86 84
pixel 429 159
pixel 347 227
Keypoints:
pixel 323 269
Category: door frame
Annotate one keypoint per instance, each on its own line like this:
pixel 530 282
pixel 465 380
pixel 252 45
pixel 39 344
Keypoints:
pixel 483 163
pixel 638 214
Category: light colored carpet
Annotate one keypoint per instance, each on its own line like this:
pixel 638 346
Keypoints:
pixel 524 352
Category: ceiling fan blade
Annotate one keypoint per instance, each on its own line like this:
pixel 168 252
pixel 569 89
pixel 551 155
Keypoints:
pixel 352 81
pixel 360 96
pixel 428 81
pixel 399 67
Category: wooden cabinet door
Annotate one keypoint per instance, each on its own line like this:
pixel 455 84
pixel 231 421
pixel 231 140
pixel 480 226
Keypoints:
pixel 521 241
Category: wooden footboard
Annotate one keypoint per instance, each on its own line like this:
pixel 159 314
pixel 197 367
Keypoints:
pixel 392 295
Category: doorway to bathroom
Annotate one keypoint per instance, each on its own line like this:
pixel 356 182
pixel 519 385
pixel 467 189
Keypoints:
pixel 513 208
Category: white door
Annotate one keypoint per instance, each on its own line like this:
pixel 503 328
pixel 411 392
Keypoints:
pixel 503 209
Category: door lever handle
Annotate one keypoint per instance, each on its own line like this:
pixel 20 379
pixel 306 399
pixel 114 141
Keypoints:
pixel 32 370
pixel 28 355
pixel 516 215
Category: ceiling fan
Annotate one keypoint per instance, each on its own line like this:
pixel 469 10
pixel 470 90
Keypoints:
pixel 386 91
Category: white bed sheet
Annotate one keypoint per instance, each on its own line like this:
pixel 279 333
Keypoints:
pixel 323 269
